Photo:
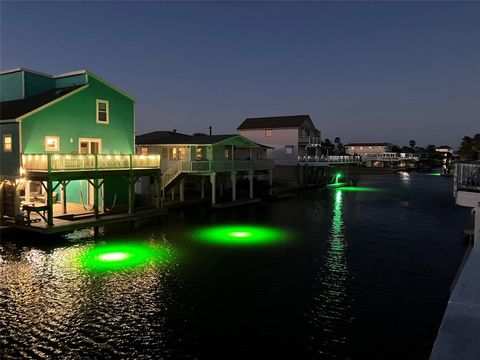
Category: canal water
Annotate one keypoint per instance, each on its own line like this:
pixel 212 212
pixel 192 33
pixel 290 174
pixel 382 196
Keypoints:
pixel 351 273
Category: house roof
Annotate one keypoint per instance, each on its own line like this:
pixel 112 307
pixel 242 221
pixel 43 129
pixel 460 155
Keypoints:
pixel 174 138
pixel 368 144
pixel 273 122
pixel 170 137
pixel 15 108
pixel 444 147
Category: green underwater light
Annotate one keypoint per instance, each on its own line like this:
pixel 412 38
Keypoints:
pixel 435 174
pixel 240 235
pixel 120 256
pixel 356 188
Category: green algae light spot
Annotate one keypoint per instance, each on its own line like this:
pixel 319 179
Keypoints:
pixel 121 256
pixel 240 235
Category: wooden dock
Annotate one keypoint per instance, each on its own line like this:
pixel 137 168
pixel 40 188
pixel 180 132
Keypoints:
pixel 63 225
pixel 231 204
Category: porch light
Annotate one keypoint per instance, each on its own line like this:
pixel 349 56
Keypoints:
pixel 68 157
pixel 240 235
pixel 56 157
pixel 117 157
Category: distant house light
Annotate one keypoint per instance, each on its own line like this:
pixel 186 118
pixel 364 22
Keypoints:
pixel 144 150
pixel 52 143
pixel 268 133
pixel 103 112
pixel 7 143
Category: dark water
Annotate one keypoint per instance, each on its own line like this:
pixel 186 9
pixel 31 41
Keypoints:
pixel 363 275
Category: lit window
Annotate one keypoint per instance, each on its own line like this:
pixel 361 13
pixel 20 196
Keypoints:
pixel 289 150
pixel 103 116
pixel 7 143
pixel 174 154
pixel 182 153
pixel 144 150
pixel 225 154
pixel 268 133
pixel 198 153
pixel 52 143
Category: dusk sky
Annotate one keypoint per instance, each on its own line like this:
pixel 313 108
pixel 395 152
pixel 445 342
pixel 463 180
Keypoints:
pixel 363 71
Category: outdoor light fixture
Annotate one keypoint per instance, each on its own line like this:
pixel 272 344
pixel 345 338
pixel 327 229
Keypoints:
pixel 240 235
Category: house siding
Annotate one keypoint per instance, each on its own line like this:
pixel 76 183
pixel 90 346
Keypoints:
pixel 75 117
pixel 36 84
pixel 80 79
pixel 10 164
pixel 279 140
pixel 11 86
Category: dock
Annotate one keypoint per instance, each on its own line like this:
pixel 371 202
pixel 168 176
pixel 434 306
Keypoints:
pixel 231 204
pixel 63 225
pixel 459 333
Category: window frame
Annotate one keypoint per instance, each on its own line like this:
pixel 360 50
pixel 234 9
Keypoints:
pixel 5 136
pixel 107 111
pixel 53 137
pixel 289 147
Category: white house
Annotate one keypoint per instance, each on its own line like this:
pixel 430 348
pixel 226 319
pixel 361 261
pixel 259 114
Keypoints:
pixel 290 137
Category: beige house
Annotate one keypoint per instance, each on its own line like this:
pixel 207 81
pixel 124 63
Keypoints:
pixel 290 137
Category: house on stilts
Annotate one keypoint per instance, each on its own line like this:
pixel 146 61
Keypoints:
pixel 68 151
pixel 212 164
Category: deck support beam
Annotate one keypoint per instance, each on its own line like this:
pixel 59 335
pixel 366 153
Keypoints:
pixel 476 235
pixel 95 198
pixel 131 193
pixel 64 195
pixel 49 202
pixel 27 191
pixel 173 193
pixel 158 200
pixel 270 182
pixel 182 189
pixel 202 190
pixel 233 177
pixel 250 180
pixel 213 181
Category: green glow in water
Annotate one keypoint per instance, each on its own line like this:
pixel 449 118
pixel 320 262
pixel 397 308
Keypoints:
pixel 120 256
pixel 240 235
pixel 435 174
pixel 357 188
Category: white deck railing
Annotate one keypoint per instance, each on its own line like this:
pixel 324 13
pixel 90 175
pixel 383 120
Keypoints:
pixel 332 159
pixel 467 176
pixel 314 140
pixel 66 162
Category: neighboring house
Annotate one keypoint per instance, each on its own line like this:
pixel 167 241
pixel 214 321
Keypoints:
pixel 445 149
pixel 69 129
pixel 220 158
pixel 363 149
pixel 381 155
pixel 291 137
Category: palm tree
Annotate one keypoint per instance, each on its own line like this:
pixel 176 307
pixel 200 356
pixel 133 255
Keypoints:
pixel 412 144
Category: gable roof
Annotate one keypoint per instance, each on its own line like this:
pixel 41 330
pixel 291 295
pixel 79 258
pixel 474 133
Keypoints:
pixel 174 138
pixel 15 108
pixel 273 122
pixel 170 137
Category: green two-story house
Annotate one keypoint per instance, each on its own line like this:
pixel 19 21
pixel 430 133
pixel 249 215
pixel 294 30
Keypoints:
pixel 70 139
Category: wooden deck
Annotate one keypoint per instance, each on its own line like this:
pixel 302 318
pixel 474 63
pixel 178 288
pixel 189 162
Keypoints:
pixel 81 219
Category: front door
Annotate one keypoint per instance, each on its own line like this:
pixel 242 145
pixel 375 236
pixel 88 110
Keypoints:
pixel 90 146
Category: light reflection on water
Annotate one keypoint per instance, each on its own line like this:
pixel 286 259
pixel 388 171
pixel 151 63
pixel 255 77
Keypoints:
pixel 51 307
pixel 332 277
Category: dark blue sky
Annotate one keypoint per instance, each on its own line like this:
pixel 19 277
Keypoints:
pixel 363 71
